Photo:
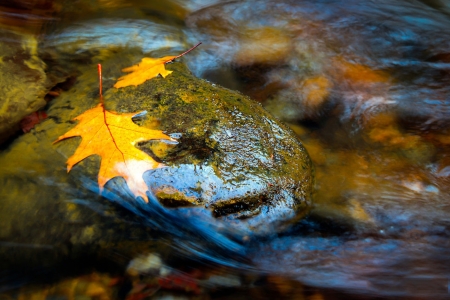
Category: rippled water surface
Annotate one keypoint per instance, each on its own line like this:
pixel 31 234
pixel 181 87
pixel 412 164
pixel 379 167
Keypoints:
pixel 366 87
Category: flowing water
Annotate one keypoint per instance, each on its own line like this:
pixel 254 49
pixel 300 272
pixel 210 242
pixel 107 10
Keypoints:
pixel 364 84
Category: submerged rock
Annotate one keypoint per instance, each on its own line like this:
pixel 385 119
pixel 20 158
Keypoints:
pixel 361 58
pixel 23 84
pixel 234 167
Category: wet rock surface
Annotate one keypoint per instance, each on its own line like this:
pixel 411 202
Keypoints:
pixel 234 166
pixel 232 156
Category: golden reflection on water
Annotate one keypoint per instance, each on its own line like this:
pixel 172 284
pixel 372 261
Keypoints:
pixel 353 182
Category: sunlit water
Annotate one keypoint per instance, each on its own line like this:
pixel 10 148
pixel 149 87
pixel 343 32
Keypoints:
pixel 364 84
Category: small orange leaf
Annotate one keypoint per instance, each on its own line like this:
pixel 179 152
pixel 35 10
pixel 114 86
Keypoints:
pixel 147 69
pixel 114 136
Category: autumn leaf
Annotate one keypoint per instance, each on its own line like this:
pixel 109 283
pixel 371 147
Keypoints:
pixel 114 136
pixel 28 122
pixel 147 69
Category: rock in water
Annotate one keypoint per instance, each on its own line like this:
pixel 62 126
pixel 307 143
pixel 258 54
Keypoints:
pixel 232 158
pixel 234 165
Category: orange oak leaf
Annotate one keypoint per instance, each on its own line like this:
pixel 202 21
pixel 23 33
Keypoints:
pixel 114 136
pixel 147 69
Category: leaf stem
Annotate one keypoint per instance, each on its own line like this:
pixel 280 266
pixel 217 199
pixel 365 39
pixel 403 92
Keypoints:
pixel 185 52
pixel 99 68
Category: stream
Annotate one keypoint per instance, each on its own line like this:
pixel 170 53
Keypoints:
pixel 365 85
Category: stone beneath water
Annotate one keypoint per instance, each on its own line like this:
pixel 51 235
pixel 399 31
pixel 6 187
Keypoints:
pixel 24 82
pixel 364 69
pixel 235 167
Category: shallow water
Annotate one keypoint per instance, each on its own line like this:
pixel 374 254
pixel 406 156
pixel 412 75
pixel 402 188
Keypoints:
pixel 365 85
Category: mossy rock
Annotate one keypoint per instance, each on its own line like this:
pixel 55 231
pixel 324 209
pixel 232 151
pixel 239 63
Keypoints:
pixel 234 166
